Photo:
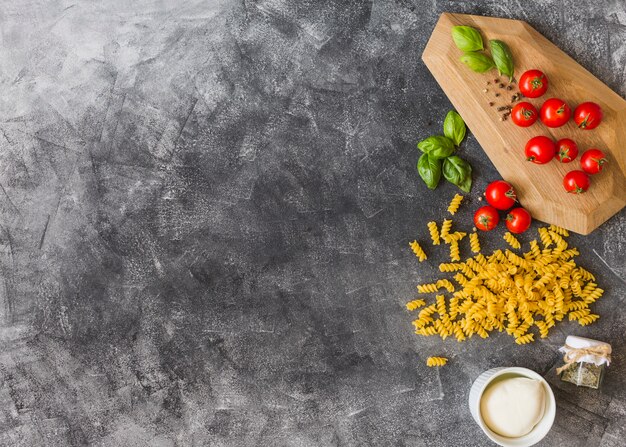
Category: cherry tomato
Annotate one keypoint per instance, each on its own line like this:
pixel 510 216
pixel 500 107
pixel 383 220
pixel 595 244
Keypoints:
pixel 533 83
pixel 500 195
pixel 555 112
pixel 588 115
pixel 486 218
pixel 540 150
pixel 524 114
pixel 566 150
pixel 576 182
pixel 592 161
pixel 518 220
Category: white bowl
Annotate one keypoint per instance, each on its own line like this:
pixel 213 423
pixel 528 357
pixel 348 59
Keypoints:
pixel 538 432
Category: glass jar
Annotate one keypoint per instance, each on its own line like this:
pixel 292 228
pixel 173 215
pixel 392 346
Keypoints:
pixel 584 362
pixel 584 374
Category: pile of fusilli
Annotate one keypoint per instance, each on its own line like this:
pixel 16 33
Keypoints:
pixel 508 292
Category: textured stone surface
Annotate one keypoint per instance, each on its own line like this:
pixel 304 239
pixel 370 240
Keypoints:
pixel 204 217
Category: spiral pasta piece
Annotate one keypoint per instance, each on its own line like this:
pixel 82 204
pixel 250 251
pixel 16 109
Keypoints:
pixel 449 267
pixel 543 328
pixel 453 237
pixel 593 296
pixel 455 203
pixel 455 254
pixel 436 361
pixel 584 321
pixel 427 288
pixel 427 331
pixel 578 314
pixel 524 339
pixel 446 226
pixel 561 231
pixel 434 232
pixel 445 284
pixel 474 242
pixel 512 240
pixel 557 239
pixel 546 240
pixel 418 250
pixel 585 274
pixel 412 305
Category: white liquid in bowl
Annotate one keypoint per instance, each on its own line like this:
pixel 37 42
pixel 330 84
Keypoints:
pixel 512 406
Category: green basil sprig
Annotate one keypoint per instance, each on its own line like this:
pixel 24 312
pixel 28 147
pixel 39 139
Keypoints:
pixel 437 146
pixel 478 62
pixel 429 169
pixel 458 172
pixel 467 38
pixel 454 127
pixel 438 158
pixel 502 57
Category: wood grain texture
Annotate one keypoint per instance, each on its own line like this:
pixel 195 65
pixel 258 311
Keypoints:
pixel 539 187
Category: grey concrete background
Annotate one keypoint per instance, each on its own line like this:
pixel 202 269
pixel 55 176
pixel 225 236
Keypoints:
pixel 204 215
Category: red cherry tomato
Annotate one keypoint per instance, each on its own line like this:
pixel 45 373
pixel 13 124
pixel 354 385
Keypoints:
pixel 588 115
pixel 576 182
pixel 555 112
pixel 540 149
pixel 524 114
pixel 518 220
pixel 486 218
pixel 566 150
pixel 592 161
pixel 533 83
pixel 500 195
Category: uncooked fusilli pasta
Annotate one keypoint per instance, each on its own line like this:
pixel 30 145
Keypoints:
pixel 418 250
pixel 455 203
pixel 436 361
pixel 446 226
pixel 434 233
pixel 412 305
pixel 454 251
pixel 509 292
pixel 512 240
pixel 474 242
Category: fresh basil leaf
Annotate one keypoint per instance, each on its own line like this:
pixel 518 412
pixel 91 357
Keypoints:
pixel 466 185
pixel 429 170
pixel 467 38
pixel 454 127
pixel 502 57
pixel 437 146
pixel 478 62
pixel 458 172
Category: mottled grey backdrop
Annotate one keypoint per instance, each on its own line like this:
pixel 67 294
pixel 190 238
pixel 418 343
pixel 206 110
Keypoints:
pixel 204 215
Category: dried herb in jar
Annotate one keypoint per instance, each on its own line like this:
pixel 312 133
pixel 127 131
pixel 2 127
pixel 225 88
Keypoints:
pixel 585 361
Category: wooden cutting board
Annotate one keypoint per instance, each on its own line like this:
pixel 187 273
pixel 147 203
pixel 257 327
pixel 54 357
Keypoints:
pixel 539 187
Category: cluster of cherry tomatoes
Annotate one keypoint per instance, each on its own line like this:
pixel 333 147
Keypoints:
pixel 501 196
pixel 555 113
